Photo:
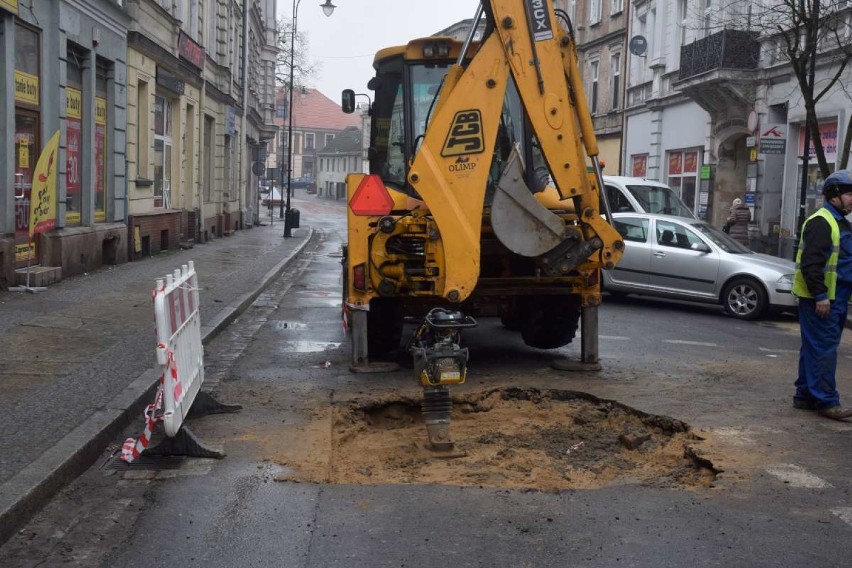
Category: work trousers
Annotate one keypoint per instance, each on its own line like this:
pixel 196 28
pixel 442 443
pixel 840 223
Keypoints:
pixel 818 354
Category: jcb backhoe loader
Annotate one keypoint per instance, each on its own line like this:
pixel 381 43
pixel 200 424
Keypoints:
pixel 483 199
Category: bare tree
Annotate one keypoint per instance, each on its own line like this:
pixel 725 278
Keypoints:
pixel 813 33
pixel 807 34
pixel 303 69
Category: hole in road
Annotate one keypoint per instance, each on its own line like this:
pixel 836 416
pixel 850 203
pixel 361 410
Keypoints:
pixel 515 438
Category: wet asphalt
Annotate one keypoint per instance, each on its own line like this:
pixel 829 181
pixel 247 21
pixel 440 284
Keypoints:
pixel 78 359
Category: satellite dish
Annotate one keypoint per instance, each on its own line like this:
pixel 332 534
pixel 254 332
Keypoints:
pixel 638 45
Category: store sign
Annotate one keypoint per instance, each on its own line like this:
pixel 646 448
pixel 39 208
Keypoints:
pixel 26 88
pixel 828 136
pixel 9 6
pixel 170 82
pixel 639 166
pixel 190 51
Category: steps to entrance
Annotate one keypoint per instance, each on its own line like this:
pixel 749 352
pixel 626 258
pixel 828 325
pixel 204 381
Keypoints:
pixel 39 275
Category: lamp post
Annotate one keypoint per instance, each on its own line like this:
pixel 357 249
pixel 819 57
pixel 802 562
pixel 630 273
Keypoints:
pixel 284 210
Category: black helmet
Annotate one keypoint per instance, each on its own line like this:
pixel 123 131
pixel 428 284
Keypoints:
pixel 837 183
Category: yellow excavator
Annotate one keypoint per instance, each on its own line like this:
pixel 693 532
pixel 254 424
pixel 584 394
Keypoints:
pixel 483 199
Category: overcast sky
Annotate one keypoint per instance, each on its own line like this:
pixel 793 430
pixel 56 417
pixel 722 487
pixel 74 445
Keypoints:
pixel 345 43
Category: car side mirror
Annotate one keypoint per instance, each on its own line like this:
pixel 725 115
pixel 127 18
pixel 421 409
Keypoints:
pixel 700 247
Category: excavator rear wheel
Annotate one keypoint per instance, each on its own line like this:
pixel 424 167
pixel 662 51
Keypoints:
pixel 549 322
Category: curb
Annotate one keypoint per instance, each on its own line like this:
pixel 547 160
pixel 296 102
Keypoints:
pixel 26 493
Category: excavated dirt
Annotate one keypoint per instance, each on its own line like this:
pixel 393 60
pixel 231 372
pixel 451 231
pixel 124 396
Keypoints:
pixel 547 440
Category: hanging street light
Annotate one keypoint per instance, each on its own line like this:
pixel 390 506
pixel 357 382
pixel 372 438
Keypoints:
pixel 284 211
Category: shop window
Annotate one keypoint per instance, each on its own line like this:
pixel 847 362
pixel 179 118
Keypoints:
pixel 162 151
pixel 209 124
pixel 102 125
pixel 142 147
pixel 74 154
pixel 229 158
pixel 639 165
pixel 27 128
pixel 26 154
pixel 682 174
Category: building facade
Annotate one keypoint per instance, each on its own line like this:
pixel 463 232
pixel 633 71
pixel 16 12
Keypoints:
pixel 64 69
pixel 162 107
pixel 600 28
pixel 703 101
pixel 317 120
pixel 342 155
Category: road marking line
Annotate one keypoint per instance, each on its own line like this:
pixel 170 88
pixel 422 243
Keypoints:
pixel 797 476
pixel 682 342
pixel 767 350
pixel 615 337
pixel 845 514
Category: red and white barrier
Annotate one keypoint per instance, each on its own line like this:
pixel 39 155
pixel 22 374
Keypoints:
pixel 180 356
pixel 179 349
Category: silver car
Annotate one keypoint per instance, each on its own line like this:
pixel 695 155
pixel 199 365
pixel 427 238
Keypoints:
pixel 687 259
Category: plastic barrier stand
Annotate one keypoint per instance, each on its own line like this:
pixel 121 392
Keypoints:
pixel 180 354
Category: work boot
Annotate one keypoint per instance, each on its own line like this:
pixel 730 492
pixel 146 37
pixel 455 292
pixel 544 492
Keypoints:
pixel 836 412
pixel 803 403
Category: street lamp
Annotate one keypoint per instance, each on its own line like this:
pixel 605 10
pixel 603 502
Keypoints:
pixel 327 9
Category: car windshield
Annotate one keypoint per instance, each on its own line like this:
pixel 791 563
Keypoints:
pixel 659 200
pixel 721 240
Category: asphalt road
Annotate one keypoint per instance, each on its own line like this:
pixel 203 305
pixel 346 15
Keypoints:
pixel 781 499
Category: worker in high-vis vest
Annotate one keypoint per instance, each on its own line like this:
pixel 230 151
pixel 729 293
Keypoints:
pixel 823 284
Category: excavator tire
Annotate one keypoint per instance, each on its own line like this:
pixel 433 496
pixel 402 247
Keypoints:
pixel 510 318
pixel 384 327
pixel 549 321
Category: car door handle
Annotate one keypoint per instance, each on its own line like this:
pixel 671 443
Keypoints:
pixel 659 254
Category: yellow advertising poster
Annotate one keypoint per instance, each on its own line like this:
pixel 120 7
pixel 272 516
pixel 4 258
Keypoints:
pixel 24 252
pixel 73 103
pixel 24 155
pixel 43 196
pixel 9 5
pixel 100 110
pixel 26 87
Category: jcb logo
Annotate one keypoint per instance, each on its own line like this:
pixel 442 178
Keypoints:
pixel 465 135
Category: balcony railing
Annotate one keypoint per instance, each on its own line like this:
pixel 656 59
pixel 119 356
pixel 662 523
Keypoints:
pixel 727 49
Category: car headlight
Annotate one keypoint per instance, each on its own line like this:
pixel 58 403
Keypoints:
pixel 785 283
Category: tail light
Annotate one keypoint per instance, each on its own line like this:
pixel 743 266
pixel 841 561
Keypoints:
pixel 359 277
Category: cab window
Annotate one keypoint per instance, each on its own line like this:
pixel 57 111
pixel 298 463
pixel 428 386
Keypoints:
pixel 618 202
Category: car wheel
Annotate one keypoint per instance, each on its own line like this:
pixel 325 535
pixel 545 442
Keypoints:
pixel 745 299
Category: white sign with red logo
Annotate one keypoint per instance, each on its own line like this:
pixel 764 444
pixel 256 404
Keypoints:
pixel 773 139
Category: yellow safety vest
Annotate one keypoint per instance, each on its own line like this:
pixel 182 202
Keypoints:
pixel 800 288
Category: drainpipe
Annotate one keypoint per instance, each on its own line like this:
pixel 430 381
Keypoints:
pixel 246 168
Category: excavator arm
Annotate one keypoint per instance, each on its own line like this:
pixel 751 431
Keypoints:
pixel 450 170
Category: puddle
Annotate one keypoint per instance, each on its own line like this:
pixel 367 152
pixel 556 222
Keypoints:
pixel 509 438
pixel 308 346
pixel 280 325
